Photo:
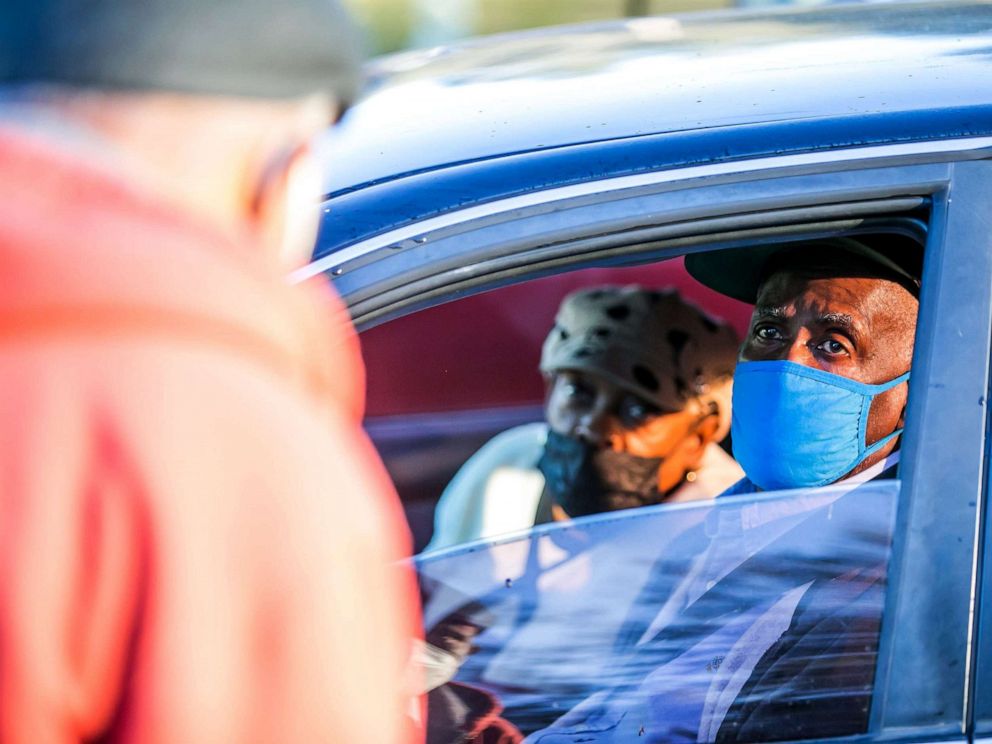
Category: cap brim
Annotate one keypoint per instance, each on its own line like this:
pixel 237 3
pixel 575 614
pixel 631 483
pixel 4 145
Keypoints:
pixel 739 272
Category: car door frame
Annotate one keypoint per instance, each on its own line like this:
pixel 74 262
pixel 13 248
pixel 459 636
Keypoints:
pixel 971 215
pixel 923 690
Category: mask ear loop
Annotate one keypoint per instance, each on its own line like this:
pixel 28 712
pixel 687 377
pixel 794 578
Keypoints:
pixel 867 400
pixel 871 450
pixel 879 444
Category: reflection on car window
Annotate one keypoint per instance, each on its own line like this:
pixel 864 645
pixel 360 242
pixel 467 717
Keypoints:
pixel 471 380
pixel 639 385
pixel 751 618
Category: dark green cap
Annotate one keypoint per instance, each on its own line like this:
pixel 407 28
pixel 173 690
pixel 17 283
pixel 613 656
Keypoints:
pixel 242 48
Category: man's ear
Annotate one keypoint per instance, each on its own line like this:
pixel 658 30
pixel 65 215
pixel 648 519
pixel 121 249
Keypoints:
pixel 284 207
pixel 269 181
pixel 287 147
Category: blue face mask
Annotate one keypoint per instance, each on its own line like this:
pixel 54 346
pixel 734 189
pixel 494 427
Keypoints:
pixel 797 427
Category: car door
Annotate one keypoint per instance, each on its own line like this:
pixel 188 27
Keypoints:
pixel 748 618
pixel 925 683
pixel 978 701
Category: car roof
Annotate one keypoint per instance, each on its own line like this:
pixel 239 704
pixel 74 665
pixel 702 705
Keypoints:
pixel 489 118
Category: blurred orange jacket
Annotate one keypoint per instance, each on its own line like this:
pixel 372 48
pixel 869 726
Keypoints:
pixel 196 539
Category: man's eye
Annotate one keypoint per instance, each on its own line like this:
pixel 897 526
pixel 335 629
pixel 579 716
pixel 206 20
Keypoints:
pixel 767 333
pixel 831 346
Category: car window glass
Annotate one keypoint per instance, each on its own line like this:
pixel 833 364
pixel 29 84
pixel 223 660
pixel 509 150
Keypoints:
pixel 751 618
pixel 445 381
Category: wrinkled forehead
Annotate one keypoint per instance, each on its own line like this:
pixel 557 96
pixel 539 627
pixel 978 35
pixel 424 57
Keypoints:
pixel 876 309
pixel 810 299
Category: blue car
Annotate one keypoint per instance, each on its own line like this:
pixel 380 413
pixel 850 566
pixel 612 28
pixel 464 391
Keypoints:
pixel 475 184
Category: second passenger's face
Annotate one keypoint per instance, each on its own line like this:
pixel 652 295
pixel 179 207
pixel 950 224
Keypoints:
pixel 594 410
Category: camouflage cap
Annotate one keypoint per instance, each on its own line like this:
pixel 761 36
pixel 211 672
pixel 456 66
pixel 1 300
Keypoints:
pixel 649 342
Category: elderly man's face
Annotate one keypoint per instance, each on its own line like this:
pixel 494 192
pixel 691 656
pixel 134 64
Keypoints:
pixel 860 328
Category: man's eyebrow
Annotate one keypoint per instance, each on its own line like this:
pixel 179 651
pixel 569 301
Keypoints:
pixel 770 311
pixel 839 319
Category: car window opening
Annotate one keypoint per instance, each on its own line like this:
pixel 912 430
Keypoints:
pixel 557 410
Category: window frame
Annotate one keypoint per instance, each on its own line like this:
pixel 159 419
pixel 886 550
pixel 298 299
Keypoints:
pixel 925 687
pixel 922 689
pixel 968 216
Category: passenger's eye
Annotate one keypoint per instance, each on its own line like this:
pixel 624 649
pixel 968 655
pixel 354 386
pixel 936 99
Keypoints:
pixel 767 333
pixel 635 411
pixel 576 391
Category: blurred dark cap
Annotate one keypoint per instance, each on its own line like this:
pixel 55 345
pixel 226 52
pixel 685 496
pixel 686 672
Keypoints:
pixel 242 48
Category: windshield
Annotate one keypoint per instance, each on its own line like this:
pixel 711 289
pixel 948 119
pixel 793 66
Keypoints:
pixel 746 618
